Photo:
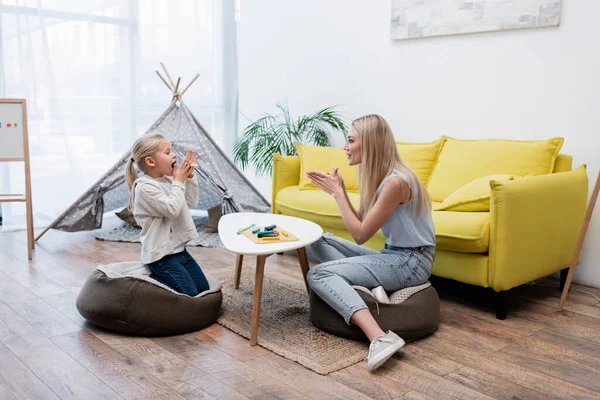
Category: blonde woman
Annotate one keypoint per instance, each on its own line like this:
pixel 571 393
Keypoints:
pixel 393 199
pixel 160 201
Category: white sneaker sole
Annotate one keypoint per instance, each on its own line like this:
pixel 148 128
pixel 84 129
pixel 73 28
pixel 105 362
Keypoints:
pixel 383 357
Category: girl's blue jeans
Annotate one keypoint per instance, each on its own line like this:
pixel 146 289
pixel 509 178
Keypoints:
pixel 180 272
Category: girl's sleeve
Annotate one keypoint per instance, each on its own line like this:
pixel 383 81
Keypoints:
pixel 191 192
pixel 156 203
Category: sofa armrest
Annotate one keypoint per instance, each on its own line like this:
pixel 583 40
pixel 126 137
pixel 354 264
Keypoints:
pixel 534 226
pixel 286 172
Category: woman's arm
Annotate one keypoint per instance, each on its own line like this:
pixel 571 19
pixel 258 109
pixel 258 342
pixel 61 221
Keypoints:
pixel 351 206
pixel 394 192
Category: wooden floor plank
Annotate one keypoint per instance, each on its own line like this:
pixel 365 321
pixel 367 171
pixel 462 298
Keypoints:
pixel 570 306
pixel 37 282
pixel 414 395
pixel 494 365
pixel 574 324
pixel 424 382
pixel 19 381
pixel 227 369
pixel 121 373
pixel 371 385
pixel 12 292
pixel 216 389
pixel 45 318
pixel 156 360
pixel 560 365
pixel 63 375
pixel 34 310
pixel 65 304
pixel 568 341
pixel 493 386
pixel 230 343
pixel 6 393
pixel 414 355
pixel 302 379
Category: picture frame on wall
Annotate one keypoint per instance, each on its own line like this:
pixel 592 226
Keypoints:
pixel 413 19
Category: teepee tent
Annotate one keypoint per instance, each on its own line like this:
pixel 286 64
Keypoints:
pixel 219 180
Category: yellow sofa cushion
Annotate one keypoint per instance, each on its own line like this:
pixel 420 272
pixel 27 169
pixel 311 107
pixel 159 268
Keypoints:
pixel 464 232
pixel 420 157
pixel 474 196
pixel 317 158
pixel 314 205
pixel 455 231
pixel 462 161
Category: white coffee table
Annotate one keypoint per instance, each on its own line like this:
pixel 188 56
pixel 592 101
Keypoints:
pixel 306 231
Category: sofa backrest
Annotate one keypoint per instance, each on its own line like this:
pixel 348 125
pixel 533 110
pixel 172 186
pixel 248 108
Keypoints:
pixel 462 161
pixel 564 163
pixel 424 159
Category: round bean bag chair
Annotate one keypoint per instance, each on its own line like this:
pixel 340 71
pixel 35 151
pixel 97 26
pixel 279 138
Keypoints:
pixel 411 313
pixel 122 297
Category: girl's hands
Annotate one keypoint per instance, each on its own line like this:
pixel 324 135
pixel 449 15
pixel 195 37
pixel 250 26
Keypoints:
pixel 185 170
pixel 193 163
pixel 331 183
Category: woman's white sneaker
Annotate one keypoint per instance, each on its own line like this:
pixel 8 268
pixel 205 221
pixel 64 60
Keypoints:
pixel 382 348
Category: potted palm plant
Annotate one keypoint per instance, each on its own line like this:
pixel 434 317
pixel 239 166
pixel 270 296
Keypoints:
pixel 272 134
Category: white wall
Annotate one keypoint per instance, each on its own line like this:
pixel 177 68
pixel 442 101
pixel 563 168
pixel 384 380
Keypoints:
pixel 534 84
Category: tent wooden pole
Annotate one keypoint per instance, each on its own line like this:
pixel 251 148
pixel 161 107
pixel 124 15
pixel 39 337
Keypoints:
pixel 584 228
pixel 163 79
pixel 177 85
pixel 42 234
pixel 167 73
pixel 190 84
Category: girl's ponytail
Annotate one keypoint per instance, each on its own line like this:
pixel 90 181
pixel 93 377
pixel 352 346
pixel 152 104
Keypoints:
pixel 146 146
pixel 131 176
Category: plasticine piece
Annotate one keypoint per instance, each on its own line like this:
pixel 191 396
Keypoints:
pixel 262 235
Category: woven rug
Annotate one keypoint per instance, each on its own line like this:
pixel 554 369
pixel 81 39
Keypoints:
pixel 129 233
pixel 284 328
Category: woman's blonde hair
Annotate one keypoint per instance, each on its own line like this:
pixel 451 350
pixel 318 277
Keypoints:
pixel 379 156
pixel 146 146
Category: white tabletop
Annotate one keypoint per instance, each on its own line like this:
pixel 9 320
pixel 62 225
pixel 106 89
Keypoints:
pixel 306 231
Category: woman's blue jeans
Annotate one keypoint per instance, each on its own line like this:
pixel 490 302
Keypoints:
pixel 344 263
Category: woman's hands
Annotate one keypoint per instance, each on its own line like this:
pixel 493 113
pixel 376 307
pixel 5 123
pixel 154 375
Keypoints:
pixel 331 183
pixel 185 170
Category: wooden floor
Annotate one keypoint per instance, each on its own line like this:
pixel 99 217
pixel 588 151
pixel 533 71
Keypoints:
pixel 47 351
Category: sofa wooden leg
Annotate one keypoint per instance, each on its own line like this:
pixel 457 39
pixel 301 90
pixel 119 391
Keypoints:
pixel 563 277
pixel 501 309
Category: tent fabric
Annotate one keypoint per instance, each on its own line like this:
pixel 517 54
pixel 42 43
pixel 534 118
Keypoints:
pixel 219 180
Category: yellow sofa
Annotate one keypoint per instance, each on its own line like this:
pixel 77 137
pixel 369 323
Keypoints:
pixel 521 228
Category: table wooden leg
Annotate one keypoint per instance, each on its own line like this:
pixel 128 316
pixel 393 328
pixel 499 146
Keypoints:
pixel 303 264
pixel 258 283
pixel 238 270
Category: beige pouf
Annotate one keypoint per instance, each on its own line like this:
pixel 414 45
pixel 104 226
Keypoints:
pixel 412 313
pixel 123 298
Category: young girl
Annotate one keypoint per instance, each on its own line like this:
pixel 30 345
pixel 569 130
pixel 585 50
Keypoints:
pixel 393 199
pixel 159 202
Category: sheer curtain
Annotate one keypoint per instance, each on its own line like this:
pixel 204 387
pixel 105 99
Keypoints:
pixel 87 70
